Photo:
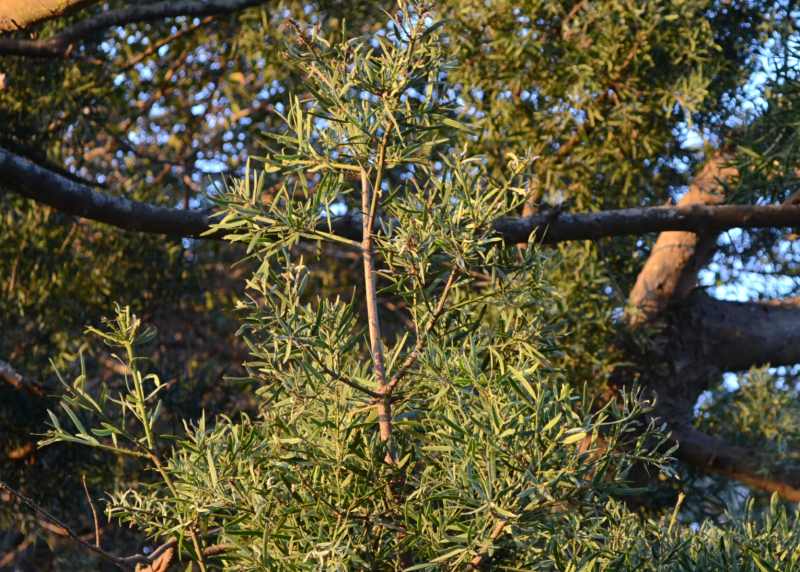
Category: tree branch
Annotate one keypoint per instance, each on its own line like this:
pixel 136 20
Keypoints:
pixel 61 44
pixel 735 336
pixel 748 466
pixel 29 179
pixel 35 182
pixel 15 380
pixel 116 560
pixel 671 270
pixel 19 14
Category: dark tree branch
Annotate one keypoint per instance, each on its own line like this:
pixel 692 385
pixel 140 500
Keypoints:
pixel 734 336
pixel 751 467
pixel 28 179
pixel 638 221
pixel 61 44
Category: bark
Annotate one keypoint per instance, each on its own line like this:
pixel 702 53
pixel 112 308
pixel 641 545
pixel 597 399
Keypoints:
pixel 30 180
pixel 704 337
pixel 671 269
pixel 734 336
pixel 744 464
pixel 62 43
pixel 19 14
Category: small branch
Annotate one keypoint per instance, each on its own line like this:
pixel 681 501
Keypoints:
pixel 164 41
pixel 369 204
pixel 476 562
pixel 412 357
pixel 62 44
pixel 116 560
pixel 348 382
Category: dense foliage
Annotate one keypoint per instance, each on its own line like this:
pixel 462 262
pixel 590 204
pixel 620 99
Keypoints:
pixel 412 393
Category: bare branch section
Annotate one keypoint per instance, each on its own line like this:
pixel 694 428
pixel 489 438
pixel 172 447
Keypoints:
pixel 638 221
pixel 61 44
pixel 10 376
pixel 19 14
pixel 26 178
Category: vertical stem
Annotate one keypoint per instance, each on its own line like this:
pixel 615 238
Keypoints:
pixel 369 203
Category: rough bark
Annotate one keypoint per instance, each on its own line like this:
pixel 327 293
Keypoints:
pixel 702 337
pixel 19 14
pixel 61 44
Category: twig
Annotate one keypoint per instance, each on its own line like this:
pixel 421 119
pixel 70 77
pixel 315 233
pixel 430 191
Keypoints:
pixel 349 382
pixel 164 41
pixel 476 562
pixel 116 560
pixel 94 512
pixel 196 543
pixel 412 358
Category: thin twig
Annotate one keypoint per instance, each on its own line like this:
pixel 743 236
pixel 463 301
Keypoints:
pixel 341 378
pixel 116 560
pixel 412 357
pixel 196 543
pixel 164 41
pixel 476 562
pixel 94 512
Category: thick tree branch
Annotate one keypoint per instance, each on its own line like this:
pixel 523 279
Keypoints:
pixel 671 270
pixel 30 180
pixel 61 44
pixel 19 14
pixel 734 336
pixel 751 467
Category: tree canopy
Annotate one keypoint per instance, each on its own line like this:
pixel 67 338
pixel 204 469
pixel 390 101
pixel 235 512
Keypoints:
pixel 399 286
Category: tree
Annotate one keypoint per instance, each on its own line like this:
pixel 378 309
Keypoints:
pixel 483 388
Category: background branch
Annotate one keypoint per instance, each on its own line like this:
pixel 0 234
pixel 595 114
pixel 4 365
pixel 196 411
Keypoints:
pixel 61 44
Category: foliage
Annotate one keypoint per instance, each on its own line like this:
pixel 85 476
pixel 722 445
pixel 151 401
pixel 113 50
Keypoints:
pixel 492 456
pixel 495 355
